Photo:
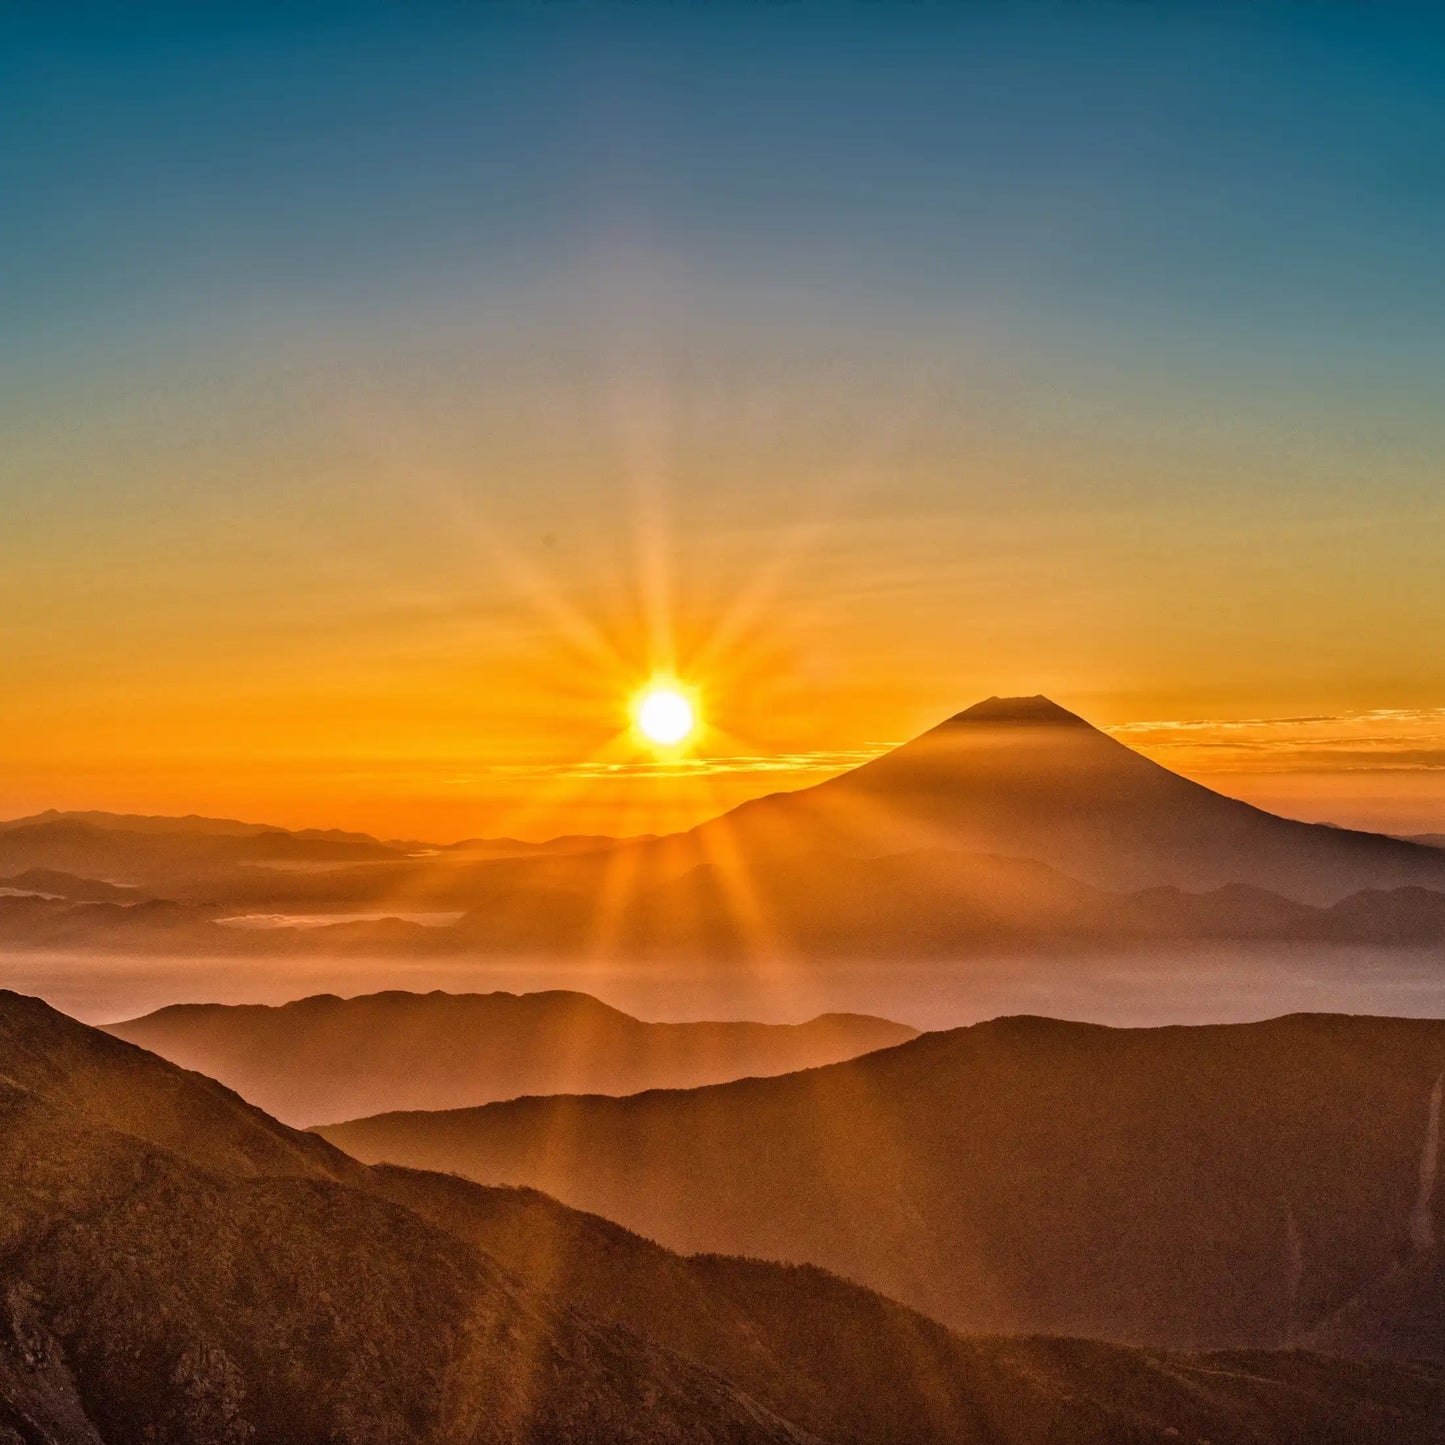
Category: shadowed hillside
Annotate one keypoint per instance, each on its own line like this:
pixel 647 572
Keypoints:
pixel 329 1058
pixel 1195 1187
pixel 179 1268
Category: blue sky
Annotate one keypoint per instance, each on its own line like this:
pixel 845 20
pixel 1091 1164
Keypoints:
pixel 1257 173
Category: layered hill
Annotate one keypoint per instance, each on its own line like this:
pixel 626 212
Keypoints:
pixel 201 859
pixel 192 823
pixel 327 1058
pixel 154 856
pixel 49 883
pixel 931 903
pixel 181 1269
pixel 1195 1187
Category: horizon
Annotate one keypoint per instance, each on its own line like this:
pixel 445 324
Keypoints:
pixel 1225 759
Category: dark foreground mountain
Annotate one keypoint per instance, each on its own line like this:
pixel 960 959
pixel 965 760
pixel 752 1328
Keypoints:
pixel 329 1058
pixel 1200 1187
pixel 176 1267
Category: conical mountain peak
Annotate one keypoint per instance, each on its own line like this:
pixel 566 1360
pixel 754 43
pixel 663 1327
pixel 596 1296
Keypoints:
pixel 1036 709
pixel 1022 777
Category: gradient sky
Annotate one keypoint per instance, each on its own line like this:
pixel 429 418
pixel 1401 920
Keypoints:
pixel 387 390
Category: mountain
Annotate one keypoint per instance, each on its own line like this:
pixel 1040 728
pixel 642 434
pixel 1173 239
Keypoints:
pixel 931 903
pixel 941 903
pixel 156 857
pixel 1010 782
pixel 1014 821
pixel 190 823
pixel 1397 1317
pixel 1401 916
pixel 1023 777
pixel 156 925
pixel 51 884
pixel 1201 1187
pixel 193 842
pixel 833 1356
pixel 181 1269
pixel 332 1058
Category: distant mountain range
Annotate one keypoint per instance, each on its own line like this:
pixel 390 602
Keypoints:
pixel 927 904
pixel 1202 1187
pixel 328 1058
pixel 192 823
pixel 179 1268
pixel 1014 824
pixel 155 855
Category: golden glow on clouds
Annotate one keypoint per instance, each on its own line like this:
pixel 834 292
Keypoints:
pixel 1376 768
pixel 1374 740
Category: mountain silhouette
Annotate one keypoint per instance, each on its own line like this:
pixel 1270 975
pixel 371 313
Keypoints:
pixel 53 884
pixel 1201 1187
pixel 327 1058
pixel 1024 777
pixel 182 1269
pixel 156 857
pixel 192 823
pixel 1014 822
pixel 929 903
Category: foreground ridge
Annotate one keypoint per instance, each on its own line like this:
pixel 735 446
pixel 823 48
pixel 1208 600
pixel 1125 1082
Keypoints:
pixel 183 1269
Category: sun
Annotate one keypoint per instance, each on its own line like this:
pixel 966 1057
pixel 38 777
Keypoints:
pixel 664 714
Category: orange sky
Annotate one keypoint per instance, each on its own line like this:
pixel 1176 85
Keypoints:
pixel 1368 773
pixel 391 634
pixel 383 404
pixel 372 624
pixel 394 693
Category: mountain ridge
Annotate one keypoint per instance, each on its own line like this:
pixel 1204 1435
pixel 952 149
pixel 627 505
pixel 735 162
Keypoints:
pixel 1026 1174
pixel 173 1281
pixel 315 1058
pixel 1008 778
pixel 1026 777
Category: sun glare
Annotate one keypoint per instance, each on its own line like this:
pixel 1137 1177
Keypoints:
pixel 665 716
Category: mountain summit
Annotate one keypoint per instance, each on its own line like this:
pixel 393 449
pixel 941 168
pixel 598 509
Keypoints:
pixel 1036 709
pixel 1023 777
pixel 325 1058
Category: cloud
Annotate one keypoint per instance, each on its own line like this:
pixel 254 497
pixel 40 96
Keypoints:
pixel 1377 740
pixel 821 761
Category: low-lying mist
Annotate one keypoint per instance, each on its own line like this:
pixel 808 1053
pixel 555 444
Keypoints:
pixel 1189 983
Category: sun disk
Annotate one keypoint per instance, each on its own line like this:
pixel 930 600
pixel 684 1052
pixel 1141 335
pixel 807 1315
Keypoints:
pixel 665 716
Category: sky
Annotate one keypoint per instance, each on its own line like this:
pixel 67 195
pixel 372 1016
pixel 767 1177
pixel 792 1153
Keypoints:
pixel 388 392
